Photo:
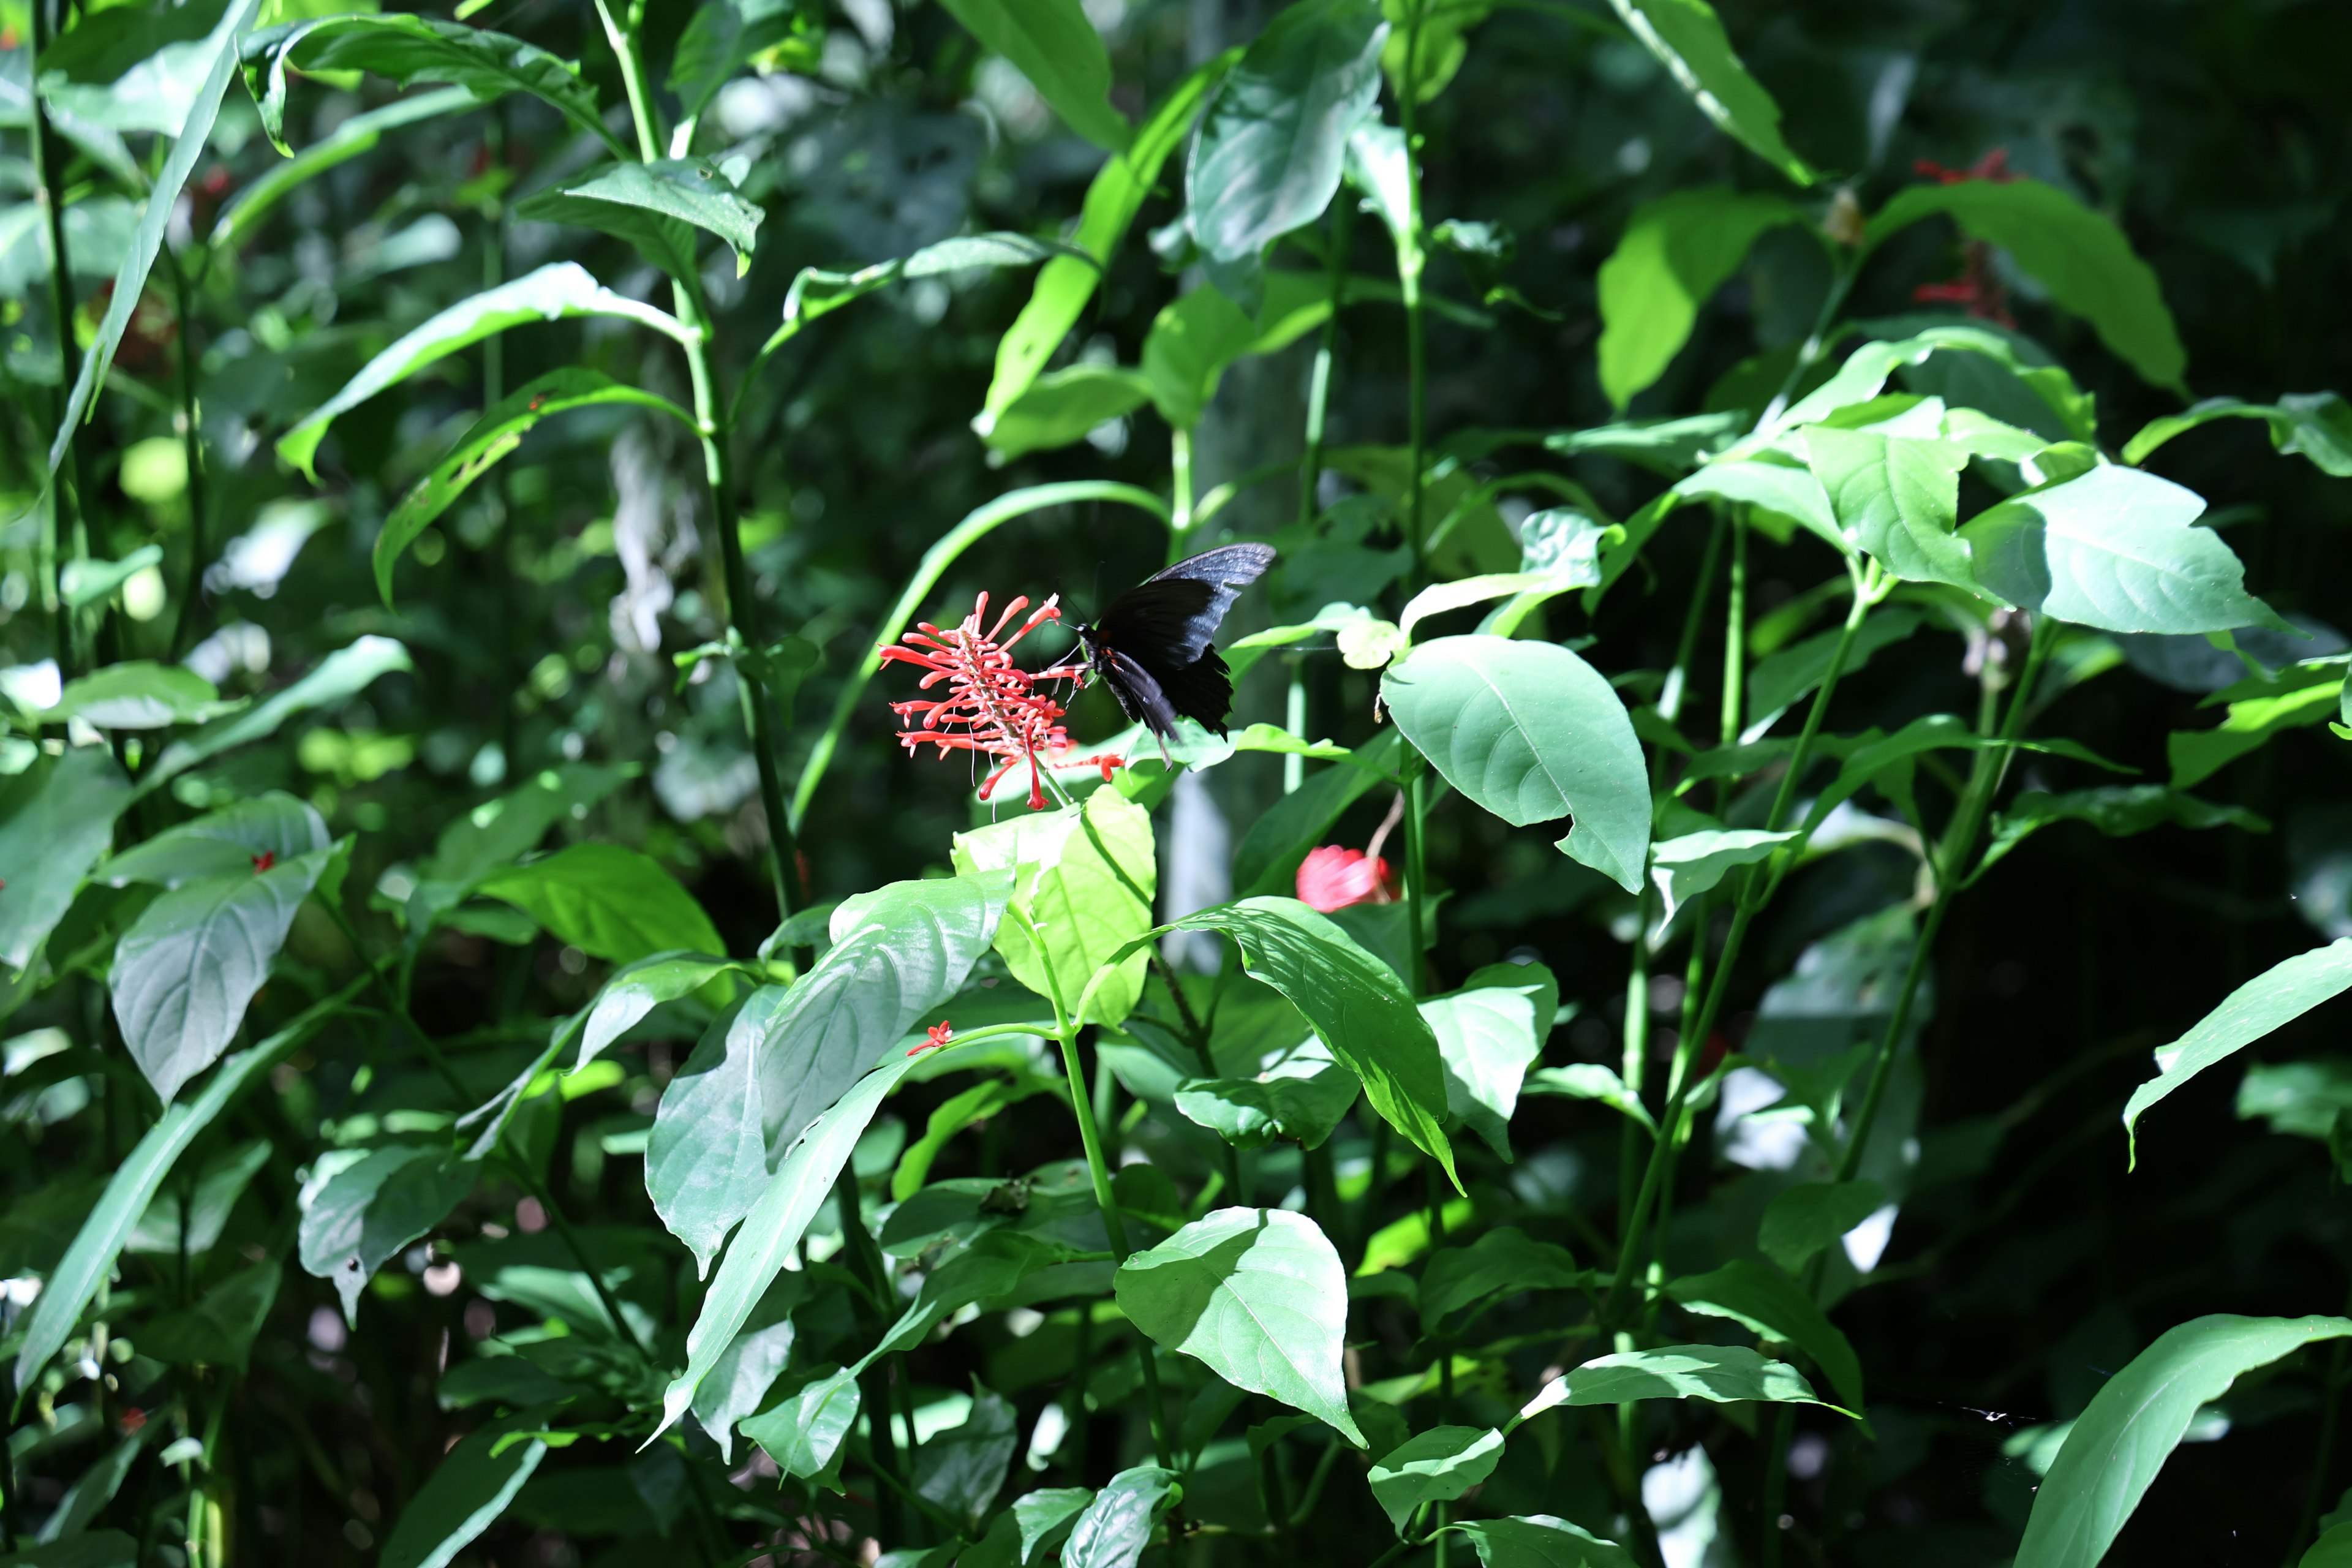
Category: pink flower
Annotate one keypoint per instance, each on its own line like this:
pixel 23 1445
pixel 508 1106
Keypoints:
pixel 1334 877
pixel 937 1035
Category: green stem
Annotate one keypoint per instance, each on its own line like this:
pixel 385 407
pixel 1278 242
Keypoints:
pixel 1735 640
pixel 1408 270
pixel 1636 1059
pixel 192 442
pixel 2330 1411
pixel 1318 387
pixel 1817 342
pixel 1294 719
pixel 1180 480
pixel 1416 885
pixel 47 168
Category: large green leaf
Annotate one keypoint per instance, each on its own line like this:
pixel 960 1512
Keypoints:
pixel 226 843
pixel 707 1156
pixel 185 971
pixel 1435 1466
pixel 1488 1034
pixel 1057 47
pixel 465 1494
pixel 2315 424
pixel 1258 1297
pixel 2117 1443
pixel 962 1469
pixel 56 819
pixel 719 39
pixel 147 240
pixel 1684 867
pixel 1112 200
pixel 1272 144
pixel 1723 1373
pixel 2119 811
pixel 410 50
pixel 2270 1001
pixel 804 1434
pixel 1295 1101
pixel 1687 36
pixel 653 206
pixel 1675 253
pixel 559 291
pixel 343 674
pixel 2302 694
pixel 136 694
pixel 1803 1219
pixel 610 902
pixel 2080 256
pixel 1199 335
pixel 135 1182
pixel 1776 1307
pixel 1085 876
pixel 1112 1530
pixel 1533 734
pixel 494 435
pixel 1061 406
pixel 739 1384
pixel 1503 1262
pixel 633 992
pixel 1539 1541
pixel 361 1206
pixel 2117 548
pixel 1895 497
pixel 255 199
pixel 1357 1005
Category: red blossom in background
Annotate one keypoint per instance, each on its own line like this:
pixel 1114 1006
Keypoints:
pixel 939 1034
pixel 1978 290
pixel 1993 167
pixel 1334 877
pixel 993 706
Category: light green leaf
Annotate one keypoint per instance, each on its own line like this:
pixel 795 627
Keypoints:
pixel 1502 1262
pixel 719 39
pixel 2116 549
pixel 707 1155
pixel 1801 1220
pixel 89 581
pixel 1355 1004
pixel 740 1383
pixel 497 832
pixel 1776 1307
pixel 1052 44
pixel 1112 1530
pixel 189 965
pixel 1685 867
pixel 494 435
pixel 1724 1373
pixel 1895 497
pixel 409 49
pixel 554 292
pixel 465 1494
pixel 651 205
pixel 343 674
pixel 2270 1001
pixel 2119 811
pixel 1435 1466
pixel 610 902
pixel 1487 1033
pixel 2300 1100
pixel 1779 488
pixel 2305 695
pixel 1539 1541
pixel 1688 39
pixel 2117 1443
pixel 136 694
pixel 1271 147
pixel 1045 1516
pixel 1675 253
pixel 227 843
pixel 1866 372
pixel 962 1469
pixel 1532 733
pixel 1257 1295
pixel 633 992
pixel 1199 335
pixel 362 1207
pixel 804 1434
pixel 56 819
pixel 2080 256
pixel 1084 876
pixel 1779 682
pixel 1112 200
pixel 2316 425
pixel 1062 406
pixel 1252 1112
pixel 1424 65
pixel 1592 1081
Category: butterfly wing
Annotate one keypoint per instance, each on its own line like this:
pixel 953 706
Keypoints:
pixel 1155 639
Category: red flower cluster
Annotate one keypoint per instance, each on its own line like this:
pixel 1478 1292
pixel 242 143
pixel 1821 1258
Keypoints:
pixel 1993 167
pixel 993 706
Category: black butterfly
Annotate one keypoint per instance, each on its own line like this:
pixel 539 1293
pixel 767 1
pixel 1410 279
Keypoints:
pixel 1151 647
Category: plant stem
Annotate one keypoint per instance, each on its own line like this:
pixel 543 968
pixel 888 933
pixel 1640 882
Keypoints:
pixel 47 168
pixel 1416 885
pixel 1735 642
pixel 1180 483
pixel 1294 719
pixel 1408 270
pixel 2330 1411
pixel 1318 385
pixel 192 443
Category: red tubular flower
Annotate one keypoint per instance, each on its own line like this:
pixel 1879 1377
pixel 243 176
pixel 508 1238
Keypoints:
pixel 993 706
pixel 1993 167
pixel 937 1035
pixel 1333 877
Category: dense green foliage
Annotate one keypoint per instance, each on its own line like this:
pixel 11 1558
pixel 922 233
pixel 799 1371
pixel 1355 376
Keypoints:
pixel 1750 984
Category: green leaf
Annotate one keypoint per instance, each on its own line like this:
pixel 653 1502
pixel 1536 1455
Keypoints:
pixel 1685 867
pixel 2270 1001
pixel 2116 549
pixel 1725 1374
pixel 1487 1033
pixel 651 206
pixel 1429 61
pixel 1084 876
pixel 343 674
pixel 610 902
pixel 1539 1541
pixel 92 1549
pixel 218 1186
pixel 1257 1295
pixel 560 290
pixel 1688 39
pixel 147 240
pixel 739 1384
pixel 1435 1466
pixel 1786 678
pixel 1897 498
pixel 1777 488
pixel 1271 146
pixel 133 1186
pixel 1292 1101
pixel 61 1535
pixel 1532 733
pixel 498 832
pixel 1776 1307
pixel 363 1206
pixel 1355 1004
pixel 91 581
pixel 410 50
pixel 1675 253
pixel 1502 1262
pixel 804 1434
pixel 1199 335
pixel 2078 255
pixel 1592 1081
pixel 1112 200
pixel 962 1469
pixel 991 1264
pixel 136 694
pixel 227 843
pixel 494 436
pixel 2315 424
pixel 2300 1100
pixel 255 199
pixel 1045 1516
pixel 1112 1530
pixel 719 39
pixel 635 991
pixel 2133 1423
pixel 815 292
pixel 2119 811
pixel 707 1156
pixel 1057 47
pixel 465 1494
pixel 1268 859
pixel 2305 695
pixel 218 1330
pixel 56 819
pixel 1801 1220
pixel 189 965
pixel 1062 406
pixel 2332 1550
